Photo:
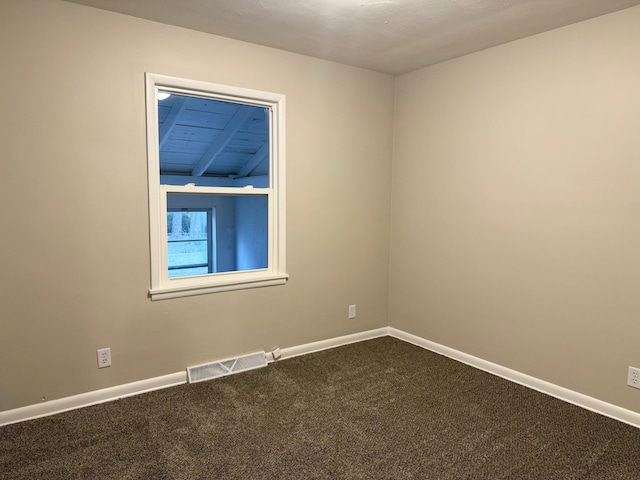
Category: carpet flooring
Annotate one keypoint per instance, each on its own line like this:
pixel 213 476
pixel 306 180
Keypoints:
pixel 379 409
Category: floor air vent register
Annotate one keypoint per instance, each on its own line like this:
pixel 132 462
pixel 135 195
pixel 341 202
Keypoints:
pixel 222 368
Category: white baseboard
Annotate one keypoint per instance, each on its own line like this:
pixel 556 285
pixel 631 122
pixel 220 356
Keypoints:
pixel 73 402
pixel 561 393
pixel 121 391
pixel 91 398
pixel 333 342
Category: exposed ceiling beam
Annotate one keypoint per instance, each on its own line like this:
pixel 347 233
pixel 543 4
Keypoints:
pixel 257 159
pixel 170 121
pixel 222 140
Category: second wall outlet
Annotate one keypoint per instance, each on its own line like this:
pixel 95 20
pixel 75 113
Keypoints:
pixel 104 357
pixel 352 311
pixel 633 377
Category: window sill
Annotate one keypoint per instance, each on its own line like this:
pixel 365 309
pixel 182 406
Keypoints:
pixel 270 280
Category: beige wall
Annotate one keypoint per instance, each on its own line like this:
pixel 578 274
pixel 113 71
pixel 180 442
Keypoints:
pixel 516 205
pixel 75 255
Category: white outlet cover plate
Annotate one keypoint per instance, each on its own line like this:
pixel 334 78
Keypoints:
pixel 633 378
pixel 104 357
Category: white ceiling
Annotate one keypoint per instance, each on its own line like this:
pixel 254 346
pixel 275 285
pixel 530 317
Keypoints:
pixel 392 36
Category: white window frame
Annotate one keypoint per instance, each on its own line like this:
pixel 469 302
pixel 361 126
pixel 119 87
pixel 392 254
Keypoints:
pixel 163 287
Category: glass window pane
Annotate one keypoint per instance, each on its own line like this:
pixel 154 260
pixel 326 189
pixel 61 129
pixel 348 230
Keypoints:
pixel 210 142
pixel 238 232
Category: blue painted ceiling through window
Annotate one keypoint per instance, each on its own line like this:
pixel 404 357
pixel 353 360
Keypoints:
pixel 202 137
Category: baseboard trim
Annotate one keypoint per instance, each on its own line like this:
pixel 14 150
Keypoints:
pixel 94 397
pixel 561 393
pixel 333 342
pixel 53 407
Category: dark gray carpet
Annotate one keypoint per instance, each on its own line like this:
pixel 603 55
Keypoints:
pixel 380 409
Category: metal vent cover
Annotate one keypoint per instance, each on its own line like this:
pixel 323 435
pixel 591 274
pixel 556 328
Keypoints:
pixel 222 368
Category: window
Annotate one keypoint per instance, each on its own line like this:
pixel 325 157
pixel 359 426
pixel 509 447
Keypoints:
pixel 216 187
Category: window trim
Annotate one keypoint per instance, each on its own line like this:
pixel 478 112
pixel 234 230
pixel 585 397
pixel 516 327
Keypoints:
pixel 163 287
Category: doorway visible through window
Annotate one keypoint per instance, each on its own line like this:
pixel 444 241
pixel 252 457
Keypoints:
pixel 190 236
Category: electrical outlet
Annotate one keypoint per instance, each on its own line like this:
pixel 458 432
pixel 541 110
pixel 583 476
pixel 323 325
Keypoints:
pixel 352 311
pixel 633 378
pixel 104 357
